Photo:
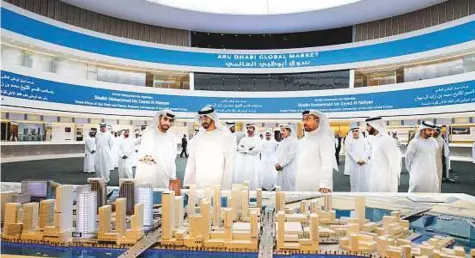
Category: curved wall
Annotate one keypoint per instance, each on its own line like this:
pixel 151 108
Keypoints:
pixel 272 41
pixel 437 14
pixel 63 12
pixel 450 37
pixel 23 88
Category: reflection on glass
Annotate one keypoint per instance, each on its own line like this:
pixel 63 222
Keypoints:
pixel 272 82
pixel 368 78
pixel 119 76
pixel 31 132
pixel 179 81
pixel 469 63
pixel 411 72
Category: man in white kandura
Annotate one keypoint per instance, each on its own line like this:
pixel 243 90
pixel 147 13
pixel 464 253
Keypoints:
pixel 347 168
pixel 385 158
pixel 358 152
pixel 237 135
pixel 211 153
pixel 103 159
pixel 286 165
pixel 115 149
pixel 157 152
pixel 420 161
pixel 232 128
pixel 111 163
pixel 250 164
pixel 138 143
pixel 316 155
pixel 125 152
pixel 90 151
pixel 443 154
pixel 268 173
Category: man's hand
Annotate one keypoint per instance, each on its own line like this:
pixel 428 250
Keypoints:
pixel 361 162
pixel 278 167
pixel 324 190
pixel 148 159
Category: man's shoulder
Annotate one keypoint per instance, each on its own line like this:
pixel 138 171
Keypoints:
pixel 147 132
pixel 381 140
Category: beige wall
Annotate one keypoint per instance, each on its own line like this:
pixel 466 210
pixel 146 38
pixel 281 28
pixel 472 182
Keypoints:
pixel 76 16
pixel 431 16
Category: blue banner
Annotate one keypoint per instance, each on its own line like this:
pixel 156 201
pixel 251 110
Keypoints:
pixel 30 88
pixel 30 27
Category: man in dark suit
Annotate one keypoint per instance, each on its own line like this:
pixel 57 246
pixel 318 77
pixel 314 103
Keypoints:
pixel 337 148
pixel 184 144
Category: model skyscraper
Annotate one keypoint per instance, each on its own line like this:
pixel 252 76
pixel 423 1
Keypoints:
pixel 99 186
pixel 86 214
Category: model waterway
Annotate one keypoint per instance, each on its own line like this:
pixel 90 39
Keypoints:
pixel 427 226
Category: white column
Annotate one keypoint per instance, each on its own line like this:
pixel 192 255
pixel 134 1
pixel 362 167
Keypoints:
pixel 92 72
pixel 192 81
pixel 352 78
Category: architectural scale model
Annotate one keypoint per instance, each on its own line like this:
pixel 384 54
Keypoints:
pixel 210 225
pixel 237 220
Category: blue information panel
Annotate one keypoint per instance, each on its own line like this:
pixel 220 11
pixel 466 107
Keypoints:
pixel 190 57
pixel 30 88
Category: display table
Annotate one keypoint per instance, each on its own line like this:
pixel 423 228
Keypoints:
pixel 27 151
pixel 343 224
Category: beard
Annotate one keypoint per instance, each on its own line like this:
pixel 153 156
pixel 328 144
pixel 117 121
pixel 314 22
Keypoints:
pixel 427 135
pixel 164 127
pixel 205 125
pixel 371 131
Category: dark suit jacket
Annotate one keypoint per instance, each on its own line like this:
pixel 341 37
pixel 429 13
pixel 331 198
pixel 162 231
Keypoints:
pixel 338 147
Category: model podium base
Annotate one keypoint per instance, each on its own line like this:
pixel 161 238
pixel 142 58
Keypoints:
pixel 240 220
